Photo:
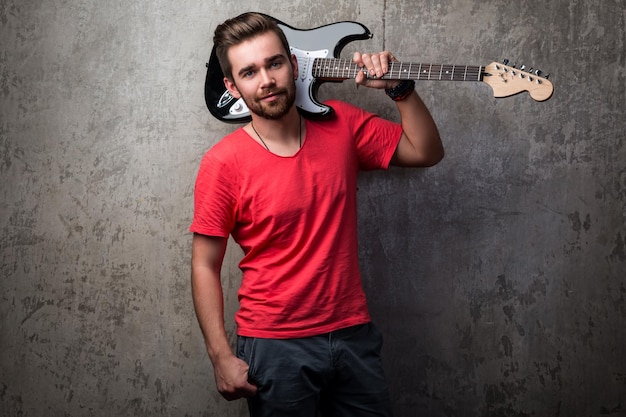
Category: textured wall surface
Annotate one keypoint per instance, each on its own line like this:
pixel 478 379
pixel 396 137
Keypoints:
pixel 498 277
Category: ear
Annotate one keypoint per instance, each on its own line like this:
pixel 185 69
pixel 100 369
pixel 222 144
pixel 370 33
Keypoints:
pixel 294 65
pixel 231 87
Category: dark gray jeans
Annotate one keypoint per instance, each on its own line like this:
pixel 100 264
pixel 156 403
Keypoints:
pixel 338 374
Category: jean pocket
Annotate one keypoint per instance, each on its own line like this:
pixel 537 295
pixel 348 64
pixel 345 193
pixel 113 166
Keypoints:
pixel 245 352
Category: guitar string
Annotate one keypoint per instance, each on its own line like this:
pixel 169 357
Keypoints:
pixel 341 67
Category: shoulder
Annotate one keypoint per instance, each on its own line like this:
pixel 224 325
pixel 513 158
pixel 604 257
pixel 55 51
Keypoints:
pixel 228 144
pixel 222 157
pixel 225 151
pixel 341 107
pixel 345 112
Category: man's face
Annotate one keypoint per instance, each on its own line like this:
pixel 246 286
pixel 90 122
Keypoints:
pixel 263 75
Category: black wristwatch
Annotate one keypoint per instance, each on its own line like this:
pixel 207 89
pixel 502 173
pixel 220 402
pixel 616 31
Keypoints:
pixel 401 91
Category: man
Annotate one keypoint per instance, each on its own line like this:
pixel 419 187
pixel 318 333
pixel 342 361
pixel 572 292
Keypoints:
pixel 285 189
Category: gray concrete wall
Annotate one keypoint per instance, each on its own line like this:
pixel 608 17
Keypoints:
pixel 497 277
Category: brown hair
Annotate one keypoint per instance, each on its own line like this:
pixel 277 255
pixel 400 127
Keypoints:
pixel 239 29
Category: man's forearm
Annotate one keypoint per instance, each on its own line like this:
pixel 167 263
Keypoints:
pixel 206 287
pixel 209 307
pixel 231 373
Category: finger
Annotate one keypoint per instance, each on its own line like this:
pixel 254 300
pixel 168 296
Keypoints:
pixel 360 78
pixel 376 68
pixel 249 390
pixel 366 61
pixel 385 59
pixel 230 396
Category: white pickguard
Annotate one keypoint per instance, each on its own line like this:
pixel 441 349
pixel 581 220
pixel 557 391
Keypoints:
pixel 305 79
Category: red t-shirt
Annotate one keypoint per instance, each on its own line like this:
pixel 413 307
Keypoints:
pixel 295 219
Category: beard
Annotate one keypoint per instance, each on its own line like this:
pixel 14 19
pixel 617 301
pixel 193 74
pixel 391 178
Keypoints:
pixel 276 109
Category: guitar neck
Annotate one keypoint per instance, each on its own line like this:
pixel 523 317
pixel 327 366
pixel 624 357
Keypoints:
pixel 343 69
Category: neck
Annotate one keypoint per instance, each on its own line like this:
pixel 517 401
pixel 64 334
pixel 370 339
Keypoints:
pixel 282 136
pixel 343 68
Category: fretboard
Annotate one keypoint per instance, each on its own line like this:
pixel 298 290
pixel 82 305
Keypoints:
pixel 343 69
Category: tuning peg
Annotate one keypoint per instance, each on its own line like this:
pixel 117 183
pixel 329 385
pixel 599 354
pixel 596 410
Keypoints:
pixel 522 67
pixel 505 62
pixel 538 73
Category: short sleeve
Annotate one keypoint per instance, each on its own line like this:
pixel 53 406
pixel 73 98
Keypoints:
pixel 376 139
pixel 215 198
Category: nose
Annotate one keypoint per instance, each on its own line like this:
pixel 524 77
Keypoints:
pixel 266 79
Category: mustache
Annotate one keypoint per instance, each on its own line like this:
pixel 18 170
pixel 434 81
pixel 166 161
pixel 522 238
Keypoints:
pixel 270 93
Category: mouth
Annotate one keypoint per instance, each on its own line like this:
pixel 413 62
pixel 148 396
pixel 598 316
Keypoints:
pixel 271 96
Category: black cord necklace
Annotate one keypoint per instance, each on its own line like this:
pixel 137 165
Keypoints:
pixel 265 144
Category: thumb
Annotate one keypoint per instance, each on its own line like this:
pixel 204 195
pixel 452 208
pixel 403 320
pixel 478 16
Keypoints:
pixel 249 389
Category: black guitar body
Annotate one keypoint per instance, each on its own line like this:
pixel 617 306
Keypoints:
pixel 306 45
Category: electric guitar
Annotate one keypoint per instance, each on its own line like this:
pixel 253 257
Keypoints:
pixel 317 52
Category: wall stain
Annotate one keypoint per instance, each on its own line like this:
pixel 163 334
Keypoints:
pixel 32 305
pixel 618 254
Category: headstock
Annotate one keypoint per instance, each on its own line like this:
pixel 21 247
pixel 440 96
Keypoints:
pixel 507 80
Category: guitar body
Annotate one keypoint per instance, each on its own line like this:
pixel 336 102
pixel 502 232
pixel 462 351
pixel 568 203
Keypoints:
pixel 317 52
pixel 322 42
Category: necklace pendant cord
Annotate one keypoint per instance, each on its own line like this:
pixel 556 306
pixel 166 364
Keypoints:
pixel 265 144
pixel 260 138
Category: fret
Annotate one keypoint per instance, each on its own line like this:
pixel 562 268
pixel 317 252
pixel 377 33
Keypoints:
pixel 345 68
pixel 399 73
pixel 354 70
